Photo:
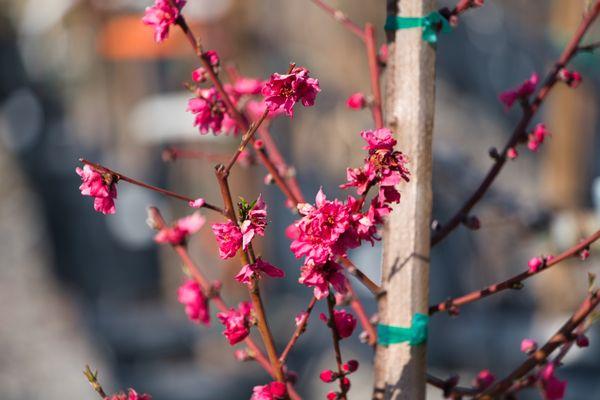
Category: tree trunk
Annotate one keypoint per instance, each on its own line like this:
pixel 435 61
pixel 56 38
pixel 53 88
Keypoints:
pixel 409 102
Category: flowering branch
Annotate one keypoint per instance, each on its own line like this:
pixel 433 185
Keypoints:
pixel 117 176
pixel 562 336
pixel 158 223
pixel 529 111
pixel 300 328
pixel 515 281
pixel 248 258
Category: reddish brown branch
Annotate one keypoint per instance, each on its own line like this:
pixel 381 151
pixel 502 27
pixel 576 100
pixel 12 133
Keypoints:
pixel 335 335
pixel 341 18
pixel 363 318
pixel 514 281
pixel 298 332
pixel 371 47
pixel 120 177
pixel 358 274
pixel 562 336
pixel 173 154
pixel 194 270
pixel 520 131
pixel 254 291
pixel 249 135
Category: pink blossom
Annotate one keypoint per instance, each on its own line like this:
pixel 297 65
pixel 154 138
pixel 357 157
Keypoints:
pixel 511 153
pixel 321 229
pixel 332 396
pixel 571 78
pixel 248 86
pixel 271 391
pixel 196 304
pixel 237 322
pixel 198 203
pixel 350 366
pixel 254 271
pixel 255 222
pixel 536 138
pixel 361 178
pixel 379 139
pixel 344 322
pixel 209 110
pixel 356 101
pixel 229 237
pixel 484 379
pixel 283 91
pixel 319 277
pixel 328 376
pixel 201 74
pixel 161 16
pixel 178 233
pixel 582 341
pixel 584 254
pixel 553 388
pixel 535 264
pixel 103 189
pixel 131 395
pixel 520 93
pixel 528 346
pixel 256 108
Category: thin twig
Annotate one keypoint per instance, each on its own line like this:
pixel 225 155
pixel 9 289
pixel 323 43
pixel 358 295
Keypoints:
pixel 298 332
pixel 120 177
pixel 514 281
pixel 341 18
pixel 335 335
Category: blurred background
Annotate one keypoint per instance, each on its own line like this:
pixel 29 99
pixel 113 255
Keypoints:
pixel 85 79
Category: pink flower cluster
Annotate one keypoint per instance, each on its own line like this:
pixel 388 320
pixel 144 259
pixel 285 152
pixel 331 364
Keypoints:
pixel 522 92
pixel 237 322
pixel 161 16
pixel 283 91
pixel 210 112
pixel 196 303
pixel 181 229
pixel 131 395
pixel 270 391
pixel 571 78
pixel 329 376
pixel 231 237
pixel 102 188
pixel 331 227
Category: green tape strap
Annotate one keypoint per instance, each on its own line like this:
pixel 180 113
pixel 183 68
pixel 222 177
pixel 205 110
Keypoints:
pixel 415 335
pixel 432 24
